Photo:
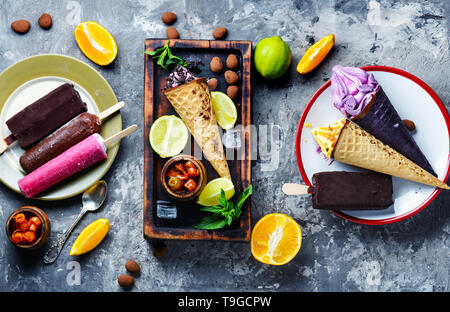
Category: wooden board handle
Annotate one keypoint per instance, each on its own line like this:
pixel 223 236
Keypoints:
pixel 118 136
pixel 111 110
pixel 295 189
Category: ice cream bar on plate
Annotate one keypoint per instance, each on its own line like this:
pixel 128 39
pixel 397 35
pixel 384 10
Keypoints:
pixel 341 190
pixel 77 158
pixel 45 115
pixel 64 138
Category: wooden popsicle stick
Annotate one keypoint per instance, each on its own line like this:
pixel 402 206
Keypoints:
pixel 6 142
pixel 118 136
pixel 111 110
pixel 295 189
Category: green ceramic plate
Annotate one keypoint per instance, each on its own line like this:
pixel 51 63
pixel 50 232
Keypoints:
pixel 30 79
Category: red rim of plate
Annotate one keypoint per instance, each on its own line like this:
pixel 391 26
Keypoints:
pixel 438 102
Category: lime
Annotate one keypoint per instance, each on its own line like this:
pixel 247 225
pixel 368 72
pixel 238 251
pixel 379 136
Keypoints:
pixel 272 57
pixel 224 109
pixel 168 136
pixel 211 192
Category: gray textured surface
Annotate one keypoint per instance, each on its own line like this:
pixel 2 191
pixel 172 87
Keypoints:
pixel 336 255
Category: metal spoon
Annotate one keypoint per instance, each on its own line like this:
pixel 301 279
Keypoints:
pixel 92 199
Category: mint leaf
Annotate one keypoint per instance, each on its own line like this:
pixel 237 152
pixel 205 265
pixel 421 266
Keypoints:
pixel 213 222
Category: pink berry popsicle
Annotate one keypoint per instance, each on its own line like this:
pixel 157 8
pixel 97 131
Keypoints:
pixel 77 158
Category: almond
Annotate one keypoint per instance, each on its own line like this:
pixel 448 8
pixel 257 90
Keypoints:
pixel 231 77
pixel 132 267
pixel 409 124
pixel 125 280
pixel 212 84
pixel 216 65
pixel 232 61
pixel 21 26
pixel 168 18
pixel 232 92
pixel 220 33
pixel 172 33
pixel 45 21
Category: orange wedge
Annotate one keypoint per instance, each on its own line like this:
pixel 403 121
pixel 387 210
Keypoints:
pixel 96 43
pixel 315 54
pixel 91 236
pixel 276 239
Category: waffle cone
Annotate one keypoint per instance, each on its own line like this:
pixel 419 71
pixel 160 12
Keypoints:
pixel 357 147
pixel 192 101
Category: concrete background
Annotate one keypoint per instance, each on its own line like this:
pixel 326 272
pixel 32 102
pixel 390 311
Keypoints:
pixel 336 255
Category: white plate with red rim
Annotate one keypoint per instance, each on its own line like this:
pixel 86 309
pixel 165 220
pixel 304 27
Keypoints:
pixel 413 100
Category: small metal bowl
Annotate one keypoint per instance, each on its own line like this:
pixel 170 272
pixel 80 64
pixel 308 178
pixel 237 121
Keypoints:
pixel 201 179
pixel 42 233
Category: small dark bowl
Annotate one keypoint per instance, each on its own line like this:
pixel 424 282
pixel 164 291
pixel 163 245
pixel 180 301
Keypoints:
pixel 201 179
pixel 42 233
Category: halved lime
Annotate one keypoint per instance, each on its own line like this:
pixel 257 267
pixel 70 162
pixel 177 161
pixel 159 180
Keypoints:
pixel 168 136
pixel 211 192
pixel 224 109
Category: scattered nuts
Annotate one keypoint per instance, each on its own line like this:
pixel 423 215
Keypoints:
pixel 172 33
pixel 21 26
pixel 125 280
pixel 45 21
pixel 409 124
pixel 159 249
pixel 232 61
pixel 220 33
pixel 231 77
pixel 233 91
pixel 168 18
pixel 216 65
pixel 133 267
pixel 212 84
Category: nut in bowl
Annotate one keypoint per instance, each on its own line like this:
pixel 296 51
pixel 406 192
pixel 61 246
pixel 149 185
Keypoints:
pixel 28 227
pixel 183 177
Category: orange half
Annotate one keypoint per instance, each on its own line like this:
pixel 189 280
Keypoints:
pixel 315 54
pixel 276 239
pixel 96 43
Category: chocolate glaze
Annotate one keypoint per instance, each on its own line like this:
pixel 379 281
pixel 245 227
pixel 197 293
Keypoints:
pixel 62 139
pixel 45 115
pixel 340 190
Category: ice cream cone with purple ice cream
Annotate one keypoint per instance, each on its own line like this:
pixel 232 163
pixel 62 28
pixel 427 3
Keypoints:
pixel 359 97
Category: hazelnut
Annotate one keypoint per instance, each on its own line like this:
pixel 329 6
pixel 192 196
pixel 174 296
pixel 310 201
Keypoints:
pixel 212 84
pixel 172 33
pixel 216 65
pixel 125 280
pixel 232 61
pixel 45 21
pixel 233 91
pixel 168 18
pixel 231 77
pixel 220 33
pixel 21 26
pixel 409 124
pixel 133 267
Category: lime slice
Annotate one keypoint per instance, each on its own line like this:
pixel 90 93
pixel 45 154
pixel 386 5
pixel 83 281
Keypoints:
pixel 168 136
pixel 224 109
pixel 211 192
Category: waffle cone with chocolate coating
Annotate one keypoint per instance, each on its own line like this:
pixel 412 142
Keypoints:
pixel 192 101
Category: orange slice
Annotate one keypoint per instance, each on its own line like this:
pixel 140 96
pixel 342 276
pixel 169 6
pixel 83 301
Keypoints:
pixel 91 236
pixel 96 43
pixel 315 54
pixel 276 239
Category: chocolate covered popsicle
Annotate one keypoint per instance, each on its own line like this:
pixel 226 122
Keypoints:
pixel 341 190
pixel 39 119
pixel 65 137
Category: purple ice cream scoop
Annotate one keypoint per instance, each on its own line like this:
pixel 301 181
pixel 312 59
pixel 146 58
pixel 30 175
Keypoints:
pixel 352 89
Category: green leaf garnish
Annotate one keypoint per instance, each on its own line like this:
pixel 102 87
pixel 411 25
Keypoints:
pixel 225 213
pixel 165 58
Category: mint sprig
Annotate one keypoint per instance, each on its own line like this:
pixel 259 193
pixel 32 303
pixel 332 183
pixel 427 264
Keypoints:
pixel 165 58
pixel 225 212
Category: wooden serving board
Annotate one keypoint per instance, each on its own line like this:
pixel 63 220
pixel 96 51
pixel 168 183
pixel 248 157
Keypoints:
pixel 159 208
